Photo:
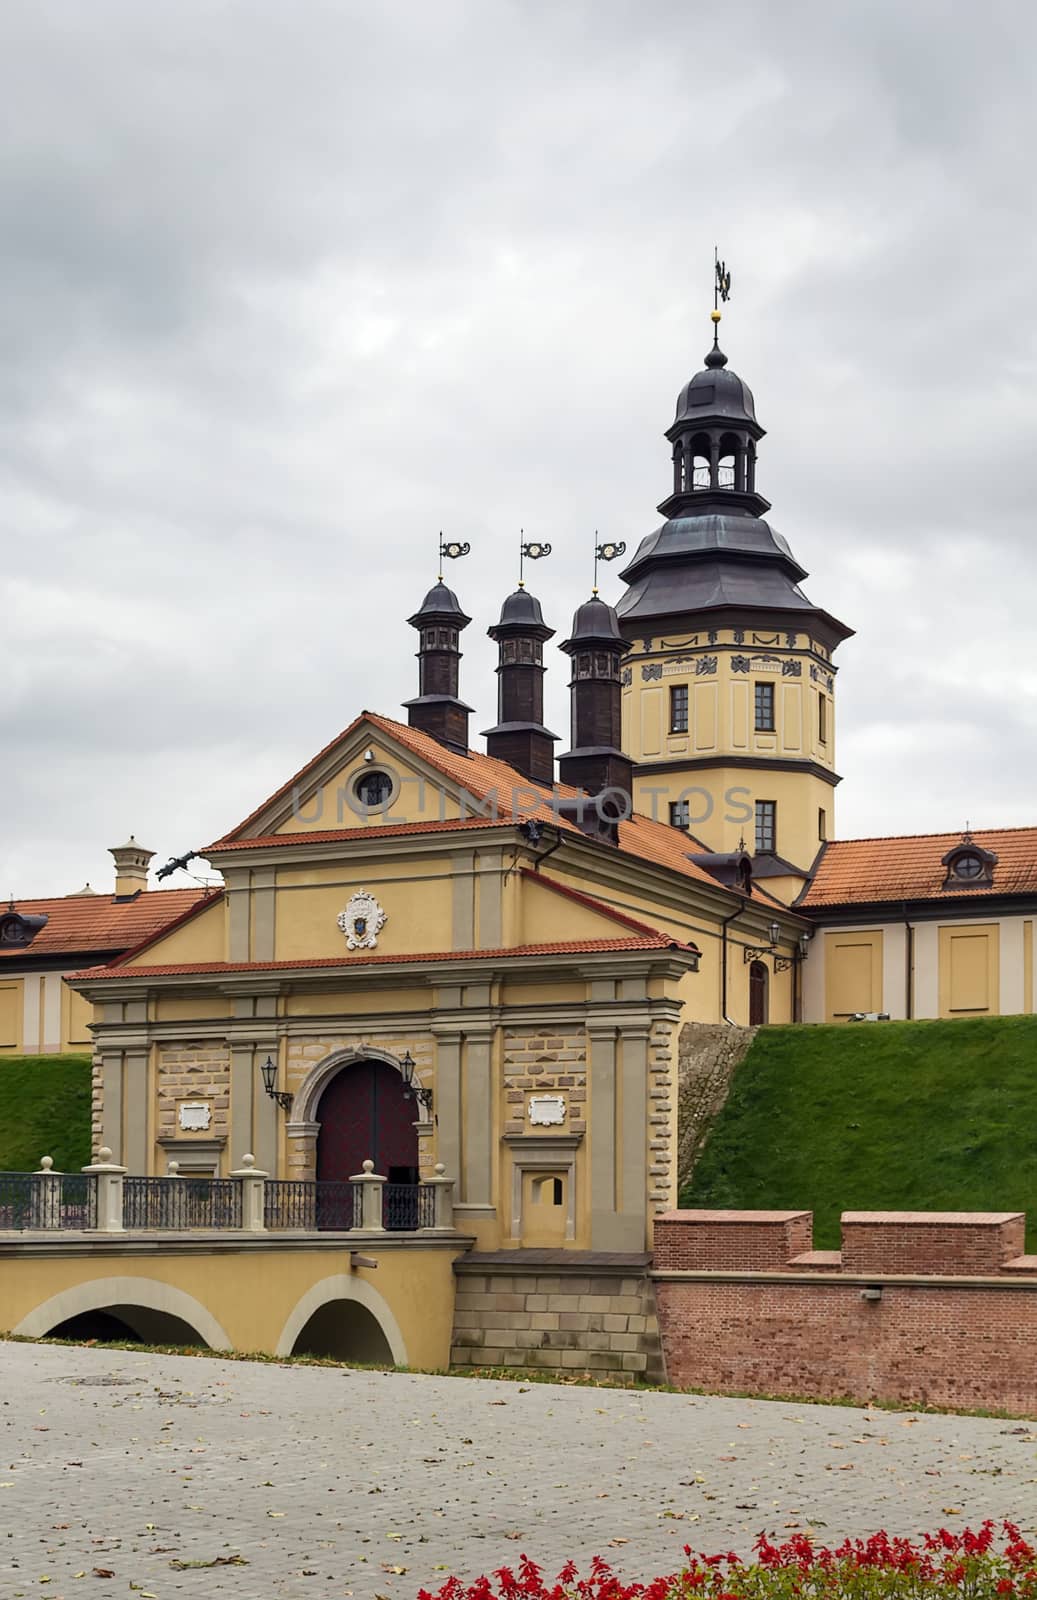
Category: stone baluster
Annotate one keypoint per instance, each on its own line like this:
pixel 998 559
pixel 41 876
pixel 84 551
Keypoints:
pixel 370 1198
pixel 46 1195
pixel 253 1195
pixel 109 1178
pixel 443 1212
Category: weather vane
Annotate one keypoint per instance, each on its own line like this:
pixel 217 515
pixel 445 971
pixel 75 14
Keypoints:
pixel 609 550
pixel 721 281
pixel 451 548
pixel 529 550
pixel 721 291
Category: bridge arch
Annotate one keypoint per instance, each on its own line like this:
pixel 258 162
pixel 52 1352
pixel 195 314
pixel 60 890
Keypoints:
pixel 307 1097
pixel 118 1294
pixel 362 1304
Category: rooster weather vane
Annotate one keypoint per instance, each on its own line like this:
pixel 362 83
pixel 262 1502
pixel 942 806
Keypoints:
pixel 721 280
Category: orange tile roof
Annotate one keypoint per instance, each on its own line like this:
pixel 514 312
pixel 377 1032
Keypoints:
pixel 389 830
pixel 488 780
pixel 79 924
pixel 563 947
pixel 909 867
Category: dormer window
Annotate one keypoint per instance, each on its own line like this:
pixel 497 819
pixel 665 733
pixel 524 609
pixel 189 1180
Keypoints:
pixel 18 931
pixel 969 866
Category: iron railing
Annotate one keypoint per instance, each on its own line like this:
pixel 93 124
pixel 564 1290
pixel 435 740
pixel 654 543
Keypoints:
pixel 44 1200
pixel 78 1200
pixel 181 1203
pixel 408 1206
pixel 16 1200
pixel 328 1206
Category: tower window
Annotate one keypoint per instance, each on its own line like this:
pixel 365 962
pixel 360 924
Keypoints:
pixel 680 814
pixel 766 825
pixel 822 823
pixel 764 693
pixel 679 708
pixel 822 719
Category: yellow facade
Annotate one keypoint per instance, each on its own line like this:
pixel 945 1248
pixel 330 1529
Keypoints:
pixel 734 752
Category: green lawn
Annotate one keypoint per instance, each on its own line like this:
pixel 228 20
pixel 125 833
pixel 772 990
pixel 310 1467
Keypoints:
pixel 891 1116
pixel 44 1111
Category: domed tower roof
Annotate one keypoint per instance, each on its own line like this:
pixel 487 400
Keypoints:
pixel 594 623
pixel 716 393
pixel 440 602
pixel 521 612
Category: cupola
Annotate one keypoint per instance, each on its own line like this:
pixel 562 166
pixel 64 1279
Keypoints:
pixel 437 710
pixel 519 736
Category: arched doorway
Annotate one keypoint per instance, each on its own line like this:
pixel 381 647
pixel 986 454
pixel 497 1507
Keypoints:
pixel 758 980
pixel 365 1113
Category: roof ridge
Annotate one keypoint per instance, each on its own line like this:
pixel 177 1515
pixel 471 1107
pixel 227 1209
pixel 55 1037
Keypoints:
pixel 945 833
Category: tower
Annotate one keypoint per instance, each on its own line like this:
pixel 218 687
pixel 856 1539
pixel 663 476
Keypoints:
pixel 437 710
pixel 519 736
pixel 728 696
pixel 596 647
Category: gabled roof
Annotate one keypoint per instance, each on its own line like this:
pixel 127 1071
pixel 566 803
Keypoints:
pixel 910 867
pixel 510 797
pixel 79 924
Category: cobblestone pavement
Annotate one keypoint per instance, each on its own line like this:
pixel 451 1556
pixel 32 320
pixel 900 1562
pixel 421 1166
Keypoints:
pixel 326 1482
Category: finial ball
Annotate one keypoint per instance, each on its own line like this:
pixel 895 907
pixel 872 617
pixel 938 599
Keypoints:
pixel 714 316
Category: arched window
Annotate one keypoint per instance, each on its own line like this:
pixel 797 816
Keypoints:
pixel 698 470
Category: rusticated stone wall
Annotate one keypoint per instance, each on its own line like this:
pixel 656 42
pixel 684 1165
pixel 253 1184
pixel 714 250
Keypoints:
pixel 194 1072
pixel 557 1311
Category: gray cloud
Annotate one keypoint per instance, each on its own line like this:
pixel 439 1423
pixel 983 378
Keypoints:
pixel 285 289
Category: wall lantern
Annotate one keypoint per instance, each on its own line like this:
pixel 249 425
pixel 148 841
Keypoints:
pixel 269 1072
pixel 410 1083
pixel 754 953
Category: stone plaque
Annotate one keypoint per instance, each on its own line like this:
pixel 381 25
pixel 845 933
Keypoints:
pixel 195 1116
pixel 547 1110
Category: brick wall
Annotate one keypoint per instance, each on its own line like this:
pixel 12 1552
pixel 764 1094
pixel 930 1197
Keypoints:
pixel 954 1322
pixel 194 1072
pixel 561 1311
pixel 545 1061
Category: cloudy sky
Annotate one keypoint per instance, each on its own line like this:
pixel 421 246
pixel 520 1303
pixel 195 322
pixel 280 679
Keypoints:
pixel 286 287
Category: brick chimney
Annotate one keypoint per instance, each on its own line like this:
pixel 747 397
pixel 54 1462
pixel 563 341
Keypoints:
pixel 131 868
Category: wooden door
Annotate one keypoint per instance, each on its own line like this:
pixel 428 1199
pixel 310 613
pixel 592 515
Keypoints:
pixel 758 977
pixel 365 1113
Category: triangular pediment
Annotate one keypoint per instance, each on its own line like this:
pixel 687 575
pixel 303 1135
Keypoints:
pixel 367 777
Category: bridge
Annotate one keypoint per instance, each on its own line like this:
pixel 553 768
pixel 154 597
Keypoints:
pixel 359 1270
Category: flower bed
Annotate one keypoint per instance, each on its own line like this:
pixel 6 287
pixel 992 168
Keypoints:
pixel 972 1565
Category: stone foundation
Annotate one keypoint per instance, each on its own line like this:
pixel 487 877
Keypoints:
pixel 561 1311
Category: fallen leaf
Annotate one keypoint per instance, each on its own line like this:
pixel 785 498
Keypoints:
pixel 388 1567
pixel 103 1572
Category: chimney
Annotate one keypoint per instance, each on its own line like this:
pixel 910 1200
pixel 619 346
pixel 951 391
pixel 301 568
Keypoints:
pixel 520 737
pixel 437 710
pixel 131 868
pixel 596 762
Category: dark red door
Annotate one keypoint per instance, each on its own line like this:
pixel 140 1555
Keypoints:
pixel 757 994
pixel 365 1113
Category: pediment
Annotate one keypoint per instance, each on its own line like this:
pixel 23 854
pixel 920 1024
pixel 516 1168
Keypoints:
pixel 365 778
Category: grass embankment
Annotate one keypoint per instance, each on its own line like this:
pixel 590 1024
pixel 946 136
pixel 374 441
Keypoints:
pixel 44 1111
pixel 891 1116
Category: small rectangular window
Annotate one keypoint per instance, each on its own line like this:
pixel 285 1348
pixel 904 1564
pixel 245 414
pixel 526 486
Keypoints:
pixel 822 823
pixel 679 708
pixel 765 708
pixel 680 814
pixel 766 824
pixel 822 719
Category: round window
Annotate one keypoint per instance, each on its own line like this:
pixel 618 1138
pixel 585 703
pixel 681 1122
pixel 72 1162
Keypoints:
pixel 967 865
pixel 373 788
